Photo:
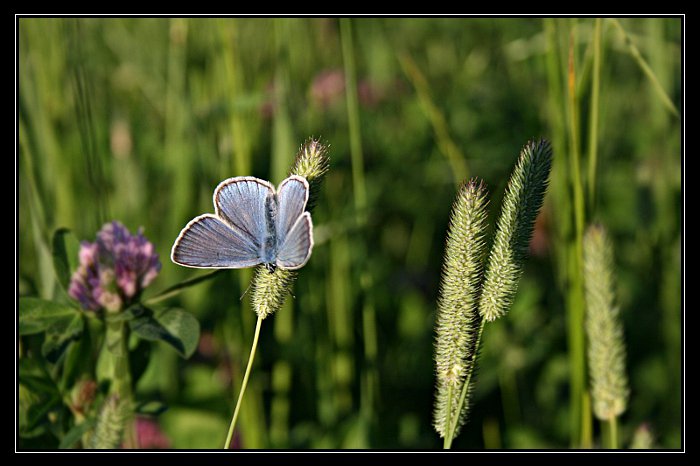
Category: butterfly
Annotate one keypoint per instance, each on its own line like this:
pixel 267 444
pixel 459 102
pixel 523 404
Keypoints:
pixel 253 224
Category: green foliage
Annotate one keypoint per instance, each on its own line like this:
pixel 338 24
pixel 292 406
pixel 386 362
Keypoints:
pixel 65 255
pixel 137 119
pixel 66 345
pixel 61 324
pixel 75 434
pixel 38 315
pixel 194 429
pixel 175 327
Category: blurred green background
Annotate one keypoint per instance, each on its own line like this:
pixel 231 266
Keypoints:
pixel 138 119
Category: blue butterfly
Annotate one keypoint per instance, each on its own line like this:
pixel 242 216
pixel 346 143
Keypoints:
pixel 253 224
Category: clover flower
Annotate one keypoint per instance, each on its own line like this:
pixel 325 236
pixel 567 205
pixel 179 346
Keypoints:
pixel 114 269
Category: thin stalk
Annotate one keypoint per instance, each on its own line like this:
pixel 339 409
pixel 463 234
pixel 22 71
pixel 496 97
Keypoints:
pixel 575 297
pixel 282 149
pixel 447 443
pixel 37 219
pixel 179 287
pixel 646 69
pixel 370 376
pixel 612 433
pixel 593 116
pixel 508 385
pixel 233 79
pixel 369 332
pixel 586 420
pixel 437 120
pixel 82 89
pixel 356 156
pixel 575 167
pixel 237 328
pixel 465 389
pixel 251 358
pixel 178 159
pixel 491 434
pixel 338 298
pixel 282 124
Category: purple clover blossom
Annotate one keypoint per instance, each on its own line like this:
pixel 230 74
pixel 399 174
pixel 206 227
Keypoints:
pixel 114 269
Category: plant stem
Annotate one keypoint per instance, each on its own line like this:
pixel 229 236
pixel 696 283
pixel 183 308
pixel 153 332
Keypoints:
pixel 370 376
pixel 465 389
pixel 178 287
pixel 575 294
pixel 116 338
pixel 437 119
pixel 448 439
pixel 356 155
pixel 612 433
pixel 229 437
pixel 646 69
pixel 594 113
pixel 586 420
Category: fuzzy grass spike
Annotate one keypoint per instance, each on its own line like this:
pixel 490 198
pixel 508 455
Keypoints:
pixel 458 321
pixel 521 203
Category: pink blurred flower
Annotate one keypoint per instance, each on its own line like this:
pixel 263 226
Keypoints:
pixel 114 269
pixel 369 94
pixel 269 105
pixel 149 436
pixel 540 242
pixel 208 346
pixel 328 87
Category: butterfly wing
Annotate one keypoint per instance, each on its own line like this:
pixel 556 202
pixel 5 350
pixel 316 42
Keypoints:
pixel 209 242
pixel 241 202
pixel 298 243
pixel 292 195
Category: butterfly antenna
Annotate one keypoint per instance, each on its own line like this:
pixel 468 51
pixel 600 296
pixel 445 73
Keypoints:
pixel 246 291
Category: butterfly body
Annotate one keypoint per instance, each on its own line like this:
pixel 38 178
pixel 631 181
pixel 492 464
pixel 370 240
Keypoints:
pixel 253 224
pixel 270 245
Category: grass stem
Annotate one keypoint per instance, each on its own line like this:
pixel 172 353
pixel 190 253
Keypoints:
pixel 576 304
pixel 612 433
pixel 465 390
pixel 594 113
pixel 646 69
pixel 357 160
pixel 229 436
pixel 447 441
pixel 370 376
